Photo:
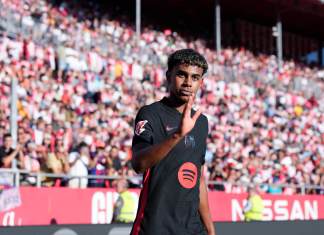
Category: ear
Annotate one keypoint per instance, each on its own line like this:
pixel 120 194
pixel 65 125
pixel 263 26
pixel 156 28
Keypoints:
pixel 167 74
pixel 168 77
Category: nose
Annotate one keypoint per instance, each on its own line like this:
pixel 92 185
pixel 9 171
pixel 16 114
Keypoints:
pixel 188 81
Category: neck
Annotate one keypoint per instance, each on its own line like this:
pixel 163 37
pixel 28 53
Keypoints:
pixel 175 103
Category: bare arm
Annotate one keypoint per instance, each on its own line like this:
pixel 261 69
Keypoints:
pixel 148 157
pixel 117 208
pixel 66 164
pixel 204 207
pixel 21 161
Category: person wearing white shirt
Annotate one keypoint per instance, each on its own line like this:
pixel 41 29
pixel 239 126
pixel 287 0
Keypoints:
pixel 79 163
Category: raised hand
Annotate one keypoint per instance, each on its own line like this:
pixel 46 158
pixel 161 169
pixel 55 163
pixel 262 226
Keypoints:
pixel 188 122
pixel 18 147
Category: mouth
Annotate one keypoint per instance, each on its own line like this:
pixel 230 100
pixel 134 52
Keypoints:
pixel 185 93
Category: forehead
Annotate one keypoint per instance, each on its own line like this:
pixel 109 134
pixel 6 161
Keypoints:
pixel 190 69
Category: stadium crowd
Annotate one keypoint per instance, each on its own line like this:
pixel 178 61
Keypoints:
pixel 81 79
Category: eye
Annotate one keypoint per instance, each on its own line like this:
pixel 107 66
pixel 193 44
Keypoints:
pixel 180 75
pixel 195 78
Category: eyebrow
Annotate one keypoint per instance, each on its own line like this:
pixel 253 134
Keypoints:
pixel 180 71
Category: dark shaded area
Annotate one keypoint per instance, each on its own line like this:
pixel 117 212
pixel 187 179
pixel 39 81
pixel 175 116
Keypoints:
pixel 196 19
pixel 222 228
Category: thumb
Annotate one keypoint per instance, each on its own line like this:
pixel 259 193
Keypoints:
pixel 196 115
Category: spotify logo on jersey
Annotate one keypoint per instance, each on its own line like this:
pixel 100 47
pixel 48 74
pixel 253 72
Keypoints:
pixel 187 175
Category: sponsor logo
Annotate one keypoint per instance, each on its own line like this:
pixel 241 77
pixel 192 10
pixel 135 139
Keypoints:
pixel 140 127
pixel 170 128
pixel 280 210
pixel 187 175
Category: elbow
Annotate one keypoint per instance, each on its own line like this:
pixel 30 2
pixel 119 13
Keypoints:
pixel 7 163
pixel 137 166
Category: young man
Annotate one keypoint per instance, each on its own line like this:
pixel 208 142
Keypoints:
pixel 8 154
pixel 169 147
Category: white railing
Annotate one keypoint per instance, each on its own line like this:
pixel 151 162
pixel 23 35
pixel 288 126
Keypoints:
pixel 12 177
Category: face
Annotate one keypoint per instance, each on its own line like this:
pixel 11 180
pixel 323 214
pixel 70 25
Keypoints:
pixel 49 128
pixel 114 152
pixel 21 137
pixel 120 186
pixel 7 142
pixel 184 81
pixel 84 150
pixel 41 125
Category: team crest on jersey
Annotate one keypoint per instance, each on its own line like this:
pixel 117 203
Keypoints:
pixel 190 141
pixel 140 127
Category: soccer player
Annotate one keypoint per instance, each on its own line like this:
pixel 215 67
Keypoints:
pixel 169 147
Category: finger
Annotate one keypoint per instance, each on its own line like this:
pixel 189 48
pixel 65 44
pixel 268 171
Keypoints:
pixel 187 109
pixel 196 115
pixel 190 102
pixel 191 99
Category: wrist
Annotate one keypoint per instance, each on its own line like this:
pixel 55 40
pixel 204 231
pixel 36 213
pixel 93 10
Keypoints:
pixel 177 136
pixel 210 228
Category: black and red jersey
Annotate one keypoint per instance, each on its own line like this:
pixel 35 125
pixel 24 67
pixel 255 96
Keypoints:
pixel 169 200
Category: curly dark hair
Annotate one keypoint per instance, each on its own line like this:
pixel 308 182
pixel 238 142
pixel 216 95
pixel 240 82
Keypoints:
pixel 188 57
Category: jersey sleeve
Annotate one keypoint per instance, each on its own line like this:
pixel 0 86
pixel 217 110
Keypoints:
pixel 205 126
pixel 143 130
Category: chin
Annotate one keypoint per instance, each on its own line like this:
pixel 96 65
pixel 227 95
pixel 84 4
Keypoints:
pixel 184 99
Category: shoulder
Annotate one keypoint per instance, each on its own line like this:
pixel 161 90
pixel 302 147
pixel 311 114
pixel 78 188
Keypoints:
pixel 203 120
pixel 2 149
pixel 150 107
pixel 73 155
pixel 202 123
pixel 6 153
pixel 2 153
pixel 146 118
pixel 148 110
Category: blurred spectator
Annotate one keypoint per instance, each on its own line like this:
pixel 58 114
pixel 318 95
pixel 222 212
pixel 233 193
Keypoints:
pixel 79 164
pixel 10 157
pixel 57 162
pixel 114 155
pixel 31 163
pixel 98 166
pixel 254 206
pixel 125 206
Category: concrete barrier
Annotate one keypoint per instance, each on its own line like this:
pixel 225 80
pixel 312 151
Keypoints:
pixel 222 228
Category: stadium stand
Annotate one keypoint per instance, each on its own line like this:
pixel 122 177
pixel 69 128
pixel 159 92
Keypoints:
pixel 81 82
